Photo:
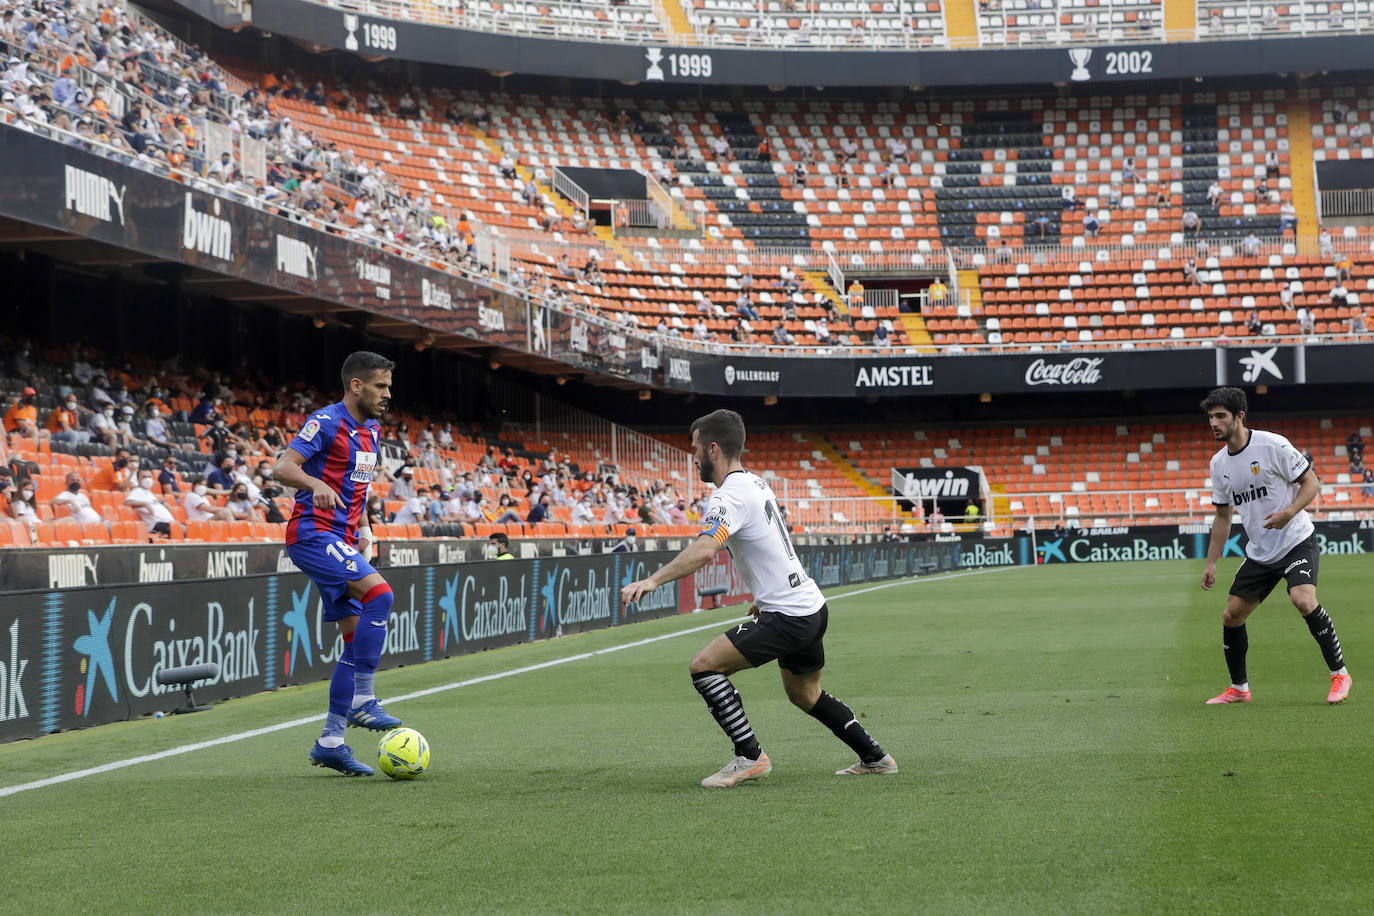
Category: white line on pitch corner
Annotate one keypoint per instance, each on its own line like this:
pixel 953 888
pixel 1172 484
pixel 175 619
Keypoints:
pixel 512 672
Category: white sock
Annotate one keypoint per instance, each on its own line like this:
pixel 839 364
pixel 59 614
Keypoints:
pixel 330 741
pixel 1243 688
pixel 1342 671
pixel 359 699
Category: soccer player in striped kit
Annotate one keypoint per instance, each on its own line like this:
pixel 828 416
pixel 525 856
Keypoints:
pixel 331 464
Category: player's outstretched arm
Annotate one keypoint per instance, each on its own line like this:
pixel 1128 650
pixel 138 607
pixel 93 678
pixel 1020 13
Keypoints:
pixel 288 470
pixel 1221 529
pixel 694 556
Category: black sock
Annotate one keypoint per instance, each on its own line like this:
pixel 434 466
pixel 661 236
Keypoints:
pixel 723 700
pixel 837 717
pixel 1324 632
pixel 1235 642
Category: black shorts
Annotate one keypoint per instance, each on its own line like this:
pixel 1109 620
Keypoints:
pixel 794 641
pixel 1254 581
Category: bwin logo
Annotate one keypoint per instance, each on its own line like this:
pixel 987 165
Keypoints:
pixel 91 195
pixel 351 24
pixel 295 257
pixel 1259 362
pixel 1244 496
pixel 206 232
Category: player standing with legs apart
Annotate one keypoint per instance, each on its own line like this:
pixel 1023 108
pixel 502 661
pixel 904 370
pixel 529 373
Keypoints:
pixel 789 610
pixel 1271 483
pixel 331 463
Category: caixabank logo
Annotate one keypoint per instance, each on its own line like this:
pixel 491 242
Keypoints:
pixel 574 596
pixel 121 653
pixel 483 608
pixel 662 600
pixel 297 625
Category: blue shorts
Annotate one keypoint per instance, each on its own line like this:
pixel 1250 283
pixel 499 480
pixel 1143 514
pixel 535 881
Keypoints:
pixel 331 567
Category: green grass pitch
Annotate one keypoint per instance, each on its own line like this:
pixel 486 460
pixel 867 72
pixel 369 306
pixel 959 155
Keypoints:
pixel 1055 754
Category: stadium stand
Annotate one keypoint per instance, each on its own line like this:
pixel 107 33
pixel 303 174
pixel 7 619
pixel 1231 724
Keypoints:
pixel 1103 474
pixel 1028 22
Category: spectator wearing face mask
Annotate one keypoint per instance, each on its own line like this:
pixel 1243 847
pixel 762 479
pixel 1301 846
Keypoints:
pixel 126 477
pixel 77 503
pixel 64 423
pixel 102 426
pixel 220 438
pixel 22 416
pixel 22 506
pixel 221 480
pixel 155 430
pixel 240 504
pixel 200 509
pixel 157 518
pixel 167 477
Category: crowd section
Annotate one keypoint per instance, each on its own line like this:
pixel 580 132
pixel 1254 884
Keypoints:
pixel 100 451
pixel 802 203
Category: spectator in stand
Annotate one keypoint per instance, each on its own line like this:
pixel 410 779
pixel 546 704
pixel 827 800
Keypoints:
pixel 721 147
pixel 582 513
pixel 1356 323
pixel 221 479
pixel 412 513
pixel 629 544
pixel 1344 264
pixel 22 506
pixel 1288 217
pixel 155 430
pixel 1214 192
pixel 764 152
pixel 1325 246
pixel 240 504
pixel 700 331
pixel 1042 222
pixel 822 332
pixel 141 498
pixel 1253 325
pixel 540 511
pixel 22 416
pixel 78 504
pixel 937 292
pixel 1339 295
pixel 1306 322
pixel 199 508
pixel 1251 244
pixel 781 336
pixel 1068 197
pixel 1090 225
pixel 1190 272
pixel 1367 476
pixel 207 411
pixel 403 487
pixel 64 423
pixel 407 107
pixel 434 505
pixel 1271 164
pixel 744 307
pixel 167 477
pixel 1191 224
pixel 376 511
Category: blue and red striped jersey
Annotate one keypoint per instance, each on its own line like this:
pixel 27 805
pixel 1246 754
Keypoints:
pixel 343 454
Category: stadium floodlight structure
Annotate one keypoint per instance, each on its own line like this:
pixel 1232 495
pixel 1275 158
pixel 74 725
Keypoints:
pixel 185 677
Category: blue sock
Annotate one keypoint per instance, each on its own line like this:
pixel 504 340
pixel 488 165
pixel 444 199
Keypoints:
pixel 340 696
pixel 369 638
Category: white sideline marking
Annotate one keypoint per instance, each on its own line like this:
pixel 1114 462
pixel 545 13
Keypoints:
pixel 296 723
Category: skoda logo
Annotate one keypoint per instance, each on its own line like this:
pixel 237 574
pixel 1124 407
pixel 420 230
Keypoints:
pixel 729 375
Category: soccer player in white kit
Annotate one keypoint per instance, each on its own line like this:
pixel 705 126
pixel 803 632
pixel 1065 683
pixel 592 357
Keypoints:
pixel 1271 482
pixel 789 612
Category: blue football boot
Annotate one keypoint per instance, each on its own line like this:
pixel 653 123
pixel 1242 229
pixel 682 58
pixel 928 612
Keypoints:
pixel 372 715
pixel 338 758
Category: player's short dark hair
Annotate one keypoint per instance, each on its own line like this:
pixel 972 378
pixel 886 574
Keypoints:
pixel 723 427
pixel 362 364
pixel 1233 399
pixel 500 538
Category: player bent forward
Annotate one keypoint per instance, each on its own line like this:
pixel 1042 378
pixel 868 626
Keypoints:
pixel 789 612
pixel 1271 482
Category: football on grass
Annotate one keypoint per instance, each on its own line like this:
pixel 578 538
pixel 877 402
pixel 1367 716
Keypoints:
pixel 403 753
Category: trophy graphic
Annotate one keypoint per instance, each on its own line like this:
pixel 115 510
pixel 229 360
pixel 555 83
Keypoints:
pixel 655 56
pixel 351 23
pixel 1080 56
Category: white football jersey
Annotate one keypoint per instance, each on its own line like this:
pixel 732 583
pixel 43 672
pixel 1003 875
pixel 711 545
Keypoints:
pixel 1260 479
pixel 743 515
